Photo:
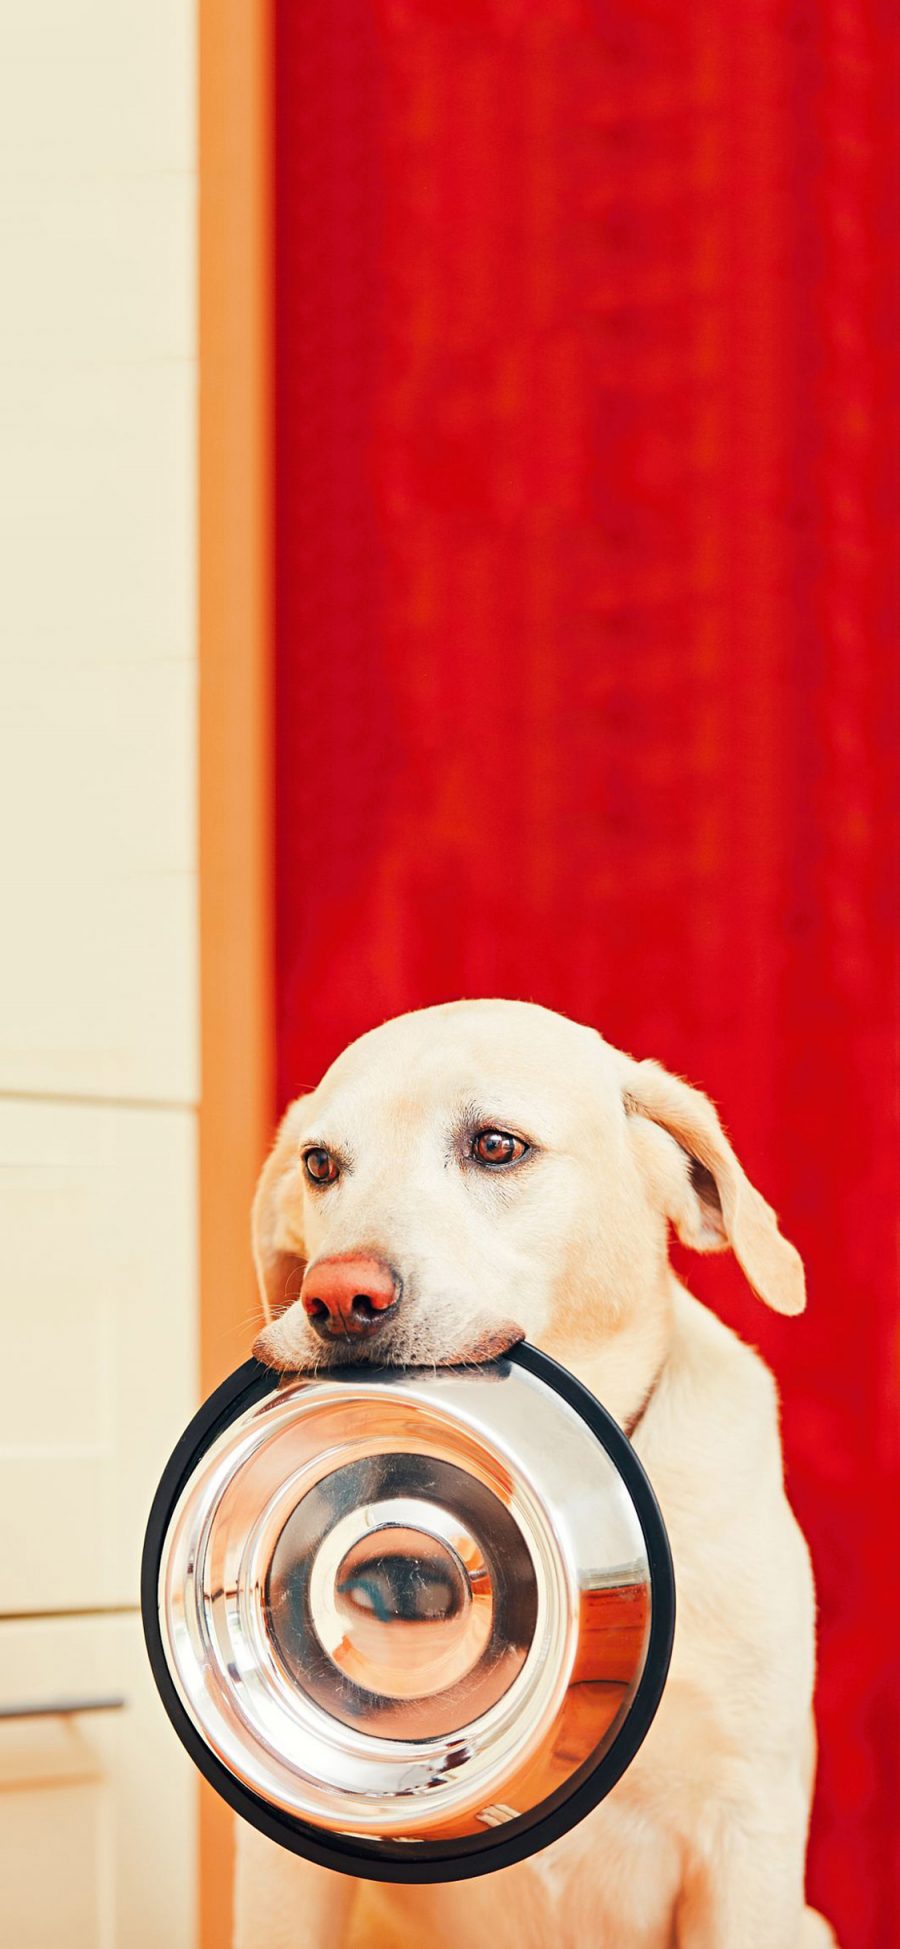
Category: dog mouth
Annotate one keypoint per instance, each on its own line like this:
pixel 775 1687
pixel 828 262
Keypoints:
pixel 492 1344
pixel 378 1348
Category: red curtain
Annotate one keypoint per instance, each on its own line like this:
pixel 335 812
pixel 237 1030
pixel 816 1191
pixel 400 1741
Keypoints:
pixel 587 637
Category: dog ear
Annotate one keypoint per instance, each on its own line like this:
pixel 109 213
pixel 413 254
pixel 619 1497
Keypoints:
pixel 717 1206
pixel 278 1253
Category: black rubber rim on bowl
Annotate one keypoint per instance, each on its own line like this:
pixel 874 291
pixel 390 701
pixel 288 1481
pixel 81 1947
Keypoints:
pixel 498 1847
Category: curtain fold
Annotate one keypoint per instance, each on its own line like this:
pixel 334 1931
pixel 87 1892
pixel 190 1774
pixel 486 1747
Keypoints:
pixel 587 624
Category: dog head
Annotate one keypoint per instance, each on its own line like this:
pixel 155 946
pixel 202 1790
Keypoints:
pixel 477 1172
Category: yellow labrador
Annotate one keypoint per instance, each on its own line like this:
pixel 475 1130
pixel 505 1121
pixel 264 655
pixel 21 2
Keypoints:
pixel 469 1173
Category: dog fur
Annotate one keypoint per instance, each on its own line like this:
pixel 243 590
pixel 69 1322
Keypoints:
pixel 702 1843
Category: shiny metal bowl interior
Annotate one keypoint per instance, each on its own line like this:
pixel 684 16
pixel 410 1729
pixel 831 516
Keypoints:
pixel 406 1609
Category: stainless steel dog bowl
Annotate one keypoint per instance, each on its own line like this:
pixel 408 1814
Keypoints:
pixel 411 1624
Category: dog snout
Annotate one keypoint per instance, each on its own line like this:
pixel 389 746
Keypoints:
pixel 350 1295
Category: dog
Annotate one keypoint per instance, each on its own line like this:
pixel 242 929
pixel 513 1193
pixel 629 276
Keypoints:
pixel 482 1170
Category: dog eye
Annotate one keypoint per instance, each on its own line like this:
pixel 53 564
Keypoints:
pixel 321 1167
pixel 497 1147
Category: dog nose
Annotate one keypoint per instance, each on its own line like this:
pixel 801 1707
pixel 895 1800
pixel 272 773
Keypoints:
pixel 350 1295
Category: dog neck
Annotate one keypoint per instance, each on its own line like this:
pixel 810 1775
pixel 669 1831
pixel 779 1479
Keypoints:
pixel 633 1422
pixel 625 1371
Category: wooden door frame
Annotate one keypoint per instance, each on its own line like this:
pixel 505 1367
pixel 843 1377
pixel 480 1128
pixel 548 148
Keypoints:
pixel 235 143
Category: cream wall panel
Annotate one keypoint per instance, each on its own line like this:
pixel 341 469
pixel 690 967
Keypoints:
pixel 97 491
pixel 98 975
pixel 99 1359
pixel 96 268
pixel 97 1808
pixel 97 511
pixel 103 83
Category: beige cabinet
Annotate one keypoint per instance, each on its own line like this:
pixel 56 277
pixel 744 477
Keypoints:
pixel 99 1045
pixel 96 1808
pixel 97 1341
